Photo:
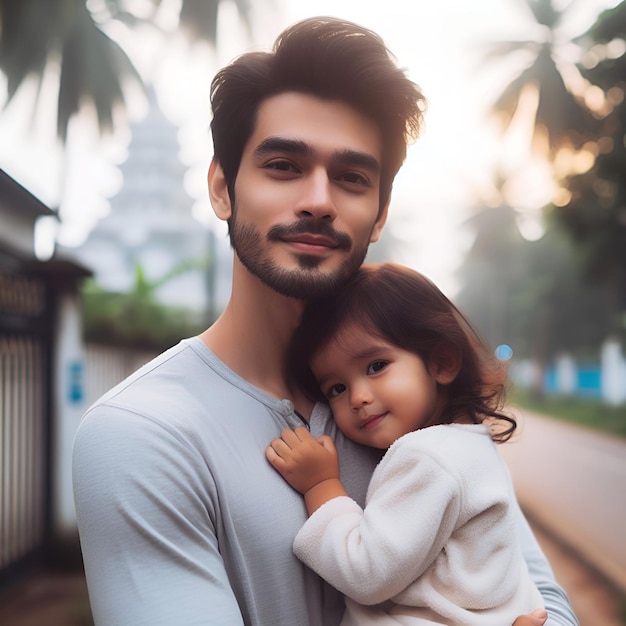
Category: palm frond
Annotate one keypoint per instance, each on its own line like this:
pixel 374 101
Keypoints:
pixel 559 111
pixel 546 13
pixel 508 100
pixel 199 18
pixel 92 69
pixel 495 50
pixel 611 24
pixel 29 30
pixel 92 65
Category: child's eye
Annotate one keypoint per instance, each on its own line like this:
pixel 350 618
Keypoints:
pixel 376 366
pixel 336 390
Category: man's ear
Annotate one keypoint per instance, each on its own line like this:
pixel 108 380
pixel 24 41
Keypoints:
pixel 380 222
pixel 445 364
pixel 218 191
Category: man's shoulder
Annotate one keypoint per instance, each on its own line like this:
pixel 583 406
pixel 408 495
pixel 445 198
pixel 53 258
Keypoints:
pixel 167 388
pixel 187 391
pixel 155 378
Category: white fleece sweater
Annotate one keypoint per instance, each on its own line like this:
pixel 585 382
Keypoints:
pixel 436 542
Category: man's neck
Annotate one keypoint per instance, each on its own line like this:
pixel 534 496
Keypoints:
pixel 252 334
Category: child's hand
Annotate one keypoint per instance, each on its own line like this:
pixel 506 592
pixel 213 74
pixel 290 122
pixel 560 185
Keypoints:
pixel 302 460
pixel 536 618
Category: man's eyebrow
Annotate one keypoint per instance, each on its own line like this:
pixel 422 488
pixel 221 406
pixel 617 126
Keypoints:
pixel 296 146
pixel 282 144
pixel 355 157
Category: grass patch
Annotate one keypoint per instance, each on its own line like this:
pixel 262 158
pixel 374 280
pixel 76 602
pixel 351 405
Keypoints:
pixel 591 413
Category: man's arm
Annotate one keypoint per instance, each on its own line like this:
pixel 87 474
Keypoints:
pixel 557 604
pixel 146 519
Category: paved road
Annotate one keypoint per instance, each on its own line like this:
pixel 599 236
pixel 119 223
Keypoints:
pixel 595 602
pixel 573 481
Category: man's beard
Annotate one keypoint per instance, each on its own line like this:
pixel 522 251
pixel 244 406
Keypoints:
pixel 306 281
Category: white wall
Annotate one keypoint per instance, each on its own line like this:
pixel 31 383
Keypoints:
pixel 613 373
pixel 69 405
pixel 16 231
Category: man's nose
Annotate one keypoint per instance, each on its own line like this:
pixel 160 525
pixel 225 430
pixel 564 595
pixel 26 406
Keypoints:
pixel 317 199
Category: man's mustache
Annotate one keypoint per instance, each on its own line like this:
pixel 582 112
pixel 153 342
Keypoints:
pixel 307 226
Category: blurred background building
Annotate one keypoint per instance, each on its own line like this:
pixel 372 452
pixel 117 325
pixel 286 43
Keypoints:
pixel 150 224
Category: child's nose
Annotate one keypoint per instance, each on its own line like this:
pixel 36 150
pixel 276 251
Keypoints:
pixel 361 396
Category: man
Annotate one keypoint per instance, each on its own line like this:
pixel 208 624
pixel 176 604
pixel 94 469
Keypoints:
pixel 182 520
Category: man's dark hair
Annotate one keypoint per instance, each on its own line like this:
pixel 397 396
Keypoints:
pixel 404 308
pixel 328 58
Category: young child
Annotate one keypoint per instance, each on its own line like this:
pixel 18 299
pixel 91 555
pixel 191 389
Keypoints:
pixel 403 371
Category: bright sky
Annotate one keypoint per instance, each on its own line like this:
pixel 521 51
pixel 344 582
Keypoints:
pixel 446 171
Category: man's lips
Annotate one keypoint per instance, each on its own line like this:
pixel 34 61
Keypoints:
pixel 310 234
pixel 310 240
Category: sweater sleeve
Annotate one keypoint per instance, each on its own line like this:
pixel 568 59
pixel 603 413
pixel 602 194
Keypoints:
pixel 372 554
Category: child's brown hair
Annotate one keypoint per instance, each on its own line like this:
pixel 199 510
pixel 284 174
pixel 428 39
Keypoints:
pixel 406 309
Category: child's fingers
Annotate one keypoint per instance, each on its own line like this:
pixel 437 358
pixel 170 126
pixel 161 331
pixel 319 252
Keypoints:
pixel 291 437
pixel 296 436
pixel 327 443
pixel 272 456
pixel 537 618
pixel 280 447
pixel 302 433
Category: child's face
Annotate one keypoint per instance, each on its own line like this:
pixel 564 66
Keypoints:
pixel 376 391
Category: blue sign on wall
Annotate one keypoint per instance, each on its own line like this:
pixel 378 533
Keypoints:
pixel 75 387
pixel 588 381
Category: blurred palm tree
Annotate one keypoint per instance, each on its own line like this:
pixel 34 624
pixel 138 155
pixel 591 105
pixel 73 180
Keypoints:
pixel 595 215
pixel 198 18
pixel 37 33
pixel 559 108
pixel 65 40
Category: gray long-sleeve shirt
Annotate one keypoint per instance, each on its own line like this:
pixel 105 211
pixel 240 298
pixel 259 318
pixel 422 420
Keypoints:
pixel 183 521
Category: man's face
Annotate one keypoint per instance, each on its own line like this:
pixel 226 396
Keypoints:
pixel 307 194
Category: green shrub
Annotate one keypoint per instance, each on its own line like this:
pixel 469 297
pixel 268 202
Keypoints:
pixel 586 412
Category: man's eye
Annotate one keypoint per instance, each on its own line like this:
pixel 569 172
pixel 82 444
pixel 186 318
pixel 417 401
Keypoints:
pixel 281 165
pixel 354 178
pixel 376 366
pixel 336 390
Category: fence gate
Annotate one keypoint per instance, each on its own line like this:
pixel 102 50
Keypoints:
pixel 25 323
